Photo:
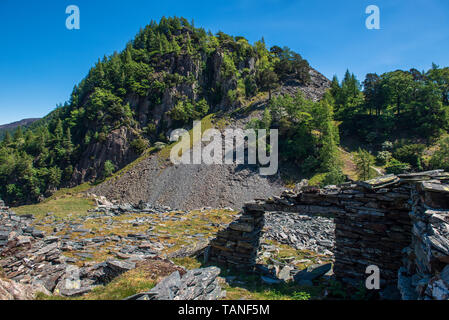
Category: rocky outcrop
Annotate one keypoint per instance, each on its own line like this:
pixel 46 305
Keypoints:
pixel 61 264
pixel 314 90
pixel 115 148
pixel 11 290
pixel 34 262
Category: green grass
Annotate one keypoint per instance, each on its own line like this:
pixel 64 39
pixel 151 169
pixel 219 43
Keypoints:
pixel 69 191
pixel 125 285
pixel 75 205
pixel 206 123
pixel 317 179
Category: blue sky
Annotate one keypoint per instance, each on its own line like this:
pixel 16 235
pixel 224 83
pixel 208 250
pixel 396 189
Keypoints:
pixel 41 60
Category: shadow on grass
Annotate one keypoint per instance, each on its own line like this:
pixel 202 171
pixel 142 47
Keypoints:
pixel 242 284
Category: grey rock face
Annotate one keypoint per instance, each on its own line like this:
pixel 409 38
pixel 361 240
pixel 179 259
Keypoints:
pixel 116 148
pixel 197 284
pixel 11 290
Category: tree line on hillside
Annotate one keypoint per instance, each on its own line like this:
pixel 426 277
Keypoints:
pixel 42 158
pixel 35 161
pixel 397 116
pixel 308 135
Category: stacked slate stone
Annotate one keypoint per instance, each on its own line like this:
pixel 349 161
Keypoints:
pixel 373 229
pixel 237 245
pixel 425 274
pixel 372 223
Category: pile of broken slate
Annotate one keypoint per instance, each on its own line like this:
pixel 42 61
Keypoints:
pixel 31 262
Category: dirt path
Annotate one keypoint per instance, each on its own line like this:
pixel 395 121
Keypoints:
pixel 349 166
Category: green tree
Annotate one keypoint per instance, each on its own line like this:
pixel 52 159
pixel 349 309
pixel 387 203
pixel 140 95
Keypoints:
pixel 108 169
pixel 364 161
pixel 440 159
pixel 54 177
pixel 18 134
pixel 139 145
pixel 7 139
pixel 398 87
pixel 268 81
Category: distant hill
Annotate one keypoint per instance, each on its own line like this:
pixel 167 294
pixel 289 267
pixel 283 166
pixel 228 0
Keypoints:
pixel 11 127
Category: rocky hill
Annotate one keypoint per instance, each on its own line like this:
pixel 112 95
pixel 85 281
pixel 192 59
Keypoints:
pixel 156 180
pixel 171 74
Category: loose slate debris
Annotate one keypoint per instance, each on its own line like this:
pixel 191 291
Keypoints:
pixel 400 223
pixel 313 272
pixel 197 284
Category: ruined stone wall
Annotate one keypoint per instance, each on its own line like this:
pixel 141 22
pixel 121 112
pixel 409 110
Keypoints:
pixel 425 271
pixel 373 223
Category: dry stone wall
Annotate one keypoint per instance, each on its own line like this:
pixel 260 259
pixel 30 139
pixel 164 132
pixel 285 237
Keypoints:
pixel 425 271
pixel 398 223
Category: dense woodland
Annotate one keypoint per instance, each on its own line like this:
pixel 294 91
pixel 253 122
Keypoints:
pixel 411 105
pixel 396 116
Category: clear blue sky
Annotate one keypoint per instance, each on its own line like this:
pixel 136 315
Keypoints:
pixel 40 60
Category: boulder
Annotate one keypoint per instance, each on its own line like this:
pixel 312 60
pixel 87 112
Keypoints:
pixel 11 290
pixel 313 272
pixel 197 284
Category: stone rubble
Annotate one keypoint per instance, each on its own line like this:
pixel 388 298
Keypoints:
pixel 398 223
pixel 301 231
pixel 197 284
pixel 33 261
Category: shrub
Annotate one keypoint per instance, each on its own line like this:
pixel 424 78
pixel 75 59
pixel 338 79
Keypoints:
pixel 108 169
pixel 370 137
pixel 150 129
pixel 139 145
pixel 410 154
pixel 334 176
pixel 395 166
pixel 101 137
pixel 383 157
pixel 310 164
pixel 387 146
pixel 440 159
